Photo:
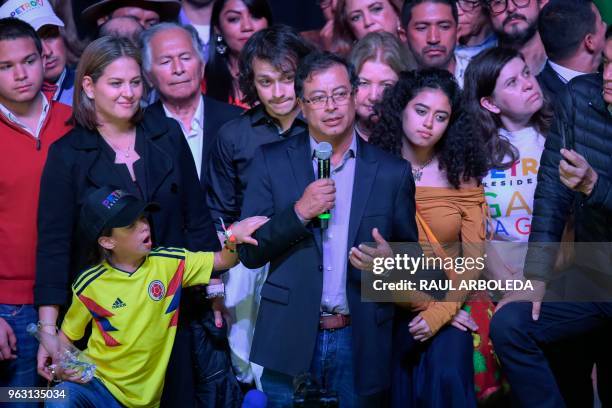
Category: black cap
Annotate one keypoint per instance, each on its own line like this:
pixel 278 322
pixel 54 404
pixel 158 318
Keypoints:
pixel 111 208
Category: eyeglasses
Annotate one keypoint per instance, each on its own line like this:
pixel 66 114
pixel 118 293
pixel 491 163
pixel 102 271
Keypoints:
pixel 468 5
pixel 499 6
pixel 320 101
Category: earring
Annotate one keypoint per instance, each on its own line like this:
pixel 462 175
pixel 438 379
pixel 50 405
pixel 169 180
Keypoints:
pixel 401 33
pixel 221 47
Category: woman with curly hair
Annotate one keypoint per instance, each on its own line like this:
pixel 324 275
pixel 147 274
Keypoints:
pixel 511 118
pixel 421 121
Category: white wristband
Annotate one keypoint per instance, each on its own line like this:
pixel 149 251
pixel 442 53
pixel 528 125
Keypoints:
pixel 216 290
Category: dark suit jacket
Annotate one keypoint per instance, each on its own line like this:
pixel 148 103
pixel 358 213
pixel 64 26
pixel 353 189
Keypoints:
pixel 77 164
pixel 551 84
pixel 216 114
pixel 288 319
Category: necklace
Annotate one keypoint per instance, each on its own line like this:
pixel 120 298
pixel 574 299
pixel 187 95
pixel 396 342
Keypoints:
pixel 125 152
pixel 417 172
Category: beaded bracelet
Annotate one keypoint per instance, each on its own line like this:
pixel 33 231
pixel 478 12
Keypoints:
pixel 229 237
pixel 227 232
pixel 225 246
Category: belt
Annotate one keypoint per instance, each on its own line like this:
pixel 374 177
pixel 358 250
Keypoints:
pixel 334 321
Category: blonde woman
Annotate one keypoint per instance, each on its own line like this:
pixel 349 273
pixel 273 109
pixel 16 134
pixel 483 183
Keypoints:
pixel 378 58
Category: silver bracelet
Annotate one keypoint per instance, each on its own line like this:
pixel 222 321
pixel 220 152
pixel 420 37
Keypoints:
pixel 215 291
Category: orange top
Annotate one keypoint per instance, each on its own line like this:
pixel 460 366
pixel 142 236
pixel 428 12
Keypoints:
pixel 456 218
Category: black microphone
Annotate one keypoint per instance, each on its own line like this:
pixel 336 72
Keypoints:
pixel 323 153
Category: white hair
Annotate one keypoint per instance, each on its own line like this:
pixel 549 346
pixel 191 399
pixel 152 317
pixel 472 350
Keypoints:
pixel 147 35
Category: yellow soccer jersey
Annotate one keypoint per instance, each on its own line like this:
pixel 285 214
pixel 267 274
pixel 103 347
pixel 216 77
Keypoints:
pixel 134 319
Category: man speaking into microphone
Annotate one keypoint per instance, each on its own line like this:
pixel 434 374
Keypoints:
pixel 311 318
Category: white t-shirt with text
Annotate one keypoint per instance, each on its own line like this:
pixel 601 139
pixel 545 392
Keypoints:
pixel 509 194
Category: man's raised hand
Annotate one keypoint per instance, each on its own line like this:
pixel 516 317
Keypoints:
pixel 319 196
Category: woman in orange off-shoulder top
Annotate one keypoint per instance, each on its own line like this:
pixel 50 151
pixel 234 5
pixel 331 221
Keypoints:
pixel 421 121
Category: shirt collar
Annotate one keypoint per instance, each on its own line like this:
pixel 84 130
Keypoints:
pixel 45 103
pixel 61 78
pixel 351 152
pixel 59 84
pixel 198 116
pixel 10 116
pixel 566 74
pixel 260 116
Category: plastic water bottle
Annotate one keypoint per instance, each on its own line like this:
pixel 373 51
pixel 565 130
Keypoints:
pixel 64 355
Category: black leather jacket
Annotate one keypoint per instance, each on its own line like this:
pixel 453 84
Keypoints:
pixel 582 123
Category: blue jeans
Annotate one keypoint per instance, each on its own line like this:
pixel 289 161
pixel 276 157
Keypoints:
pixel 20 372
pixel 331 366
pixel 90 395
pixel 518 341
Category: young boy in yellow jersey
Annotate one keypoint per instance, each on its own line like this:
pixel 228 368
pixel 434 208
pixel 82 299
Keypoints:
pixel 132 299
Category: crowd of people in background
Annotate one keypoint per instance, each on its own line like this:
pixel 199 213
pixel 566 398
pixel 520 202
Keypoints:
pixel 160 200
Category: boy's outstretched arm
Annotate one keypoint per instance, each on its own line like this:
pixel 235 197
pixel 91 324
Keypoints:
pixel 241 231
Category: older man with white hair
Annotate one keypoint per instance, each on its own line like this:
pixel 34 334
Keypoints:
pixel 174 65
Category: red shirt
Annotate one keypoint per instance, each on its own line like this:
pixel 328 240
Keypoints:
pixel 21 168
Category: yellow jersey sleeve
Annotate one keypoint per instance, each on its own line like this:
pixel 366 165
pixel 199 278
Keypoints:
pixel 76 320
pixel 198 267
